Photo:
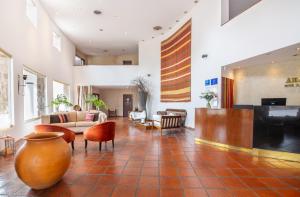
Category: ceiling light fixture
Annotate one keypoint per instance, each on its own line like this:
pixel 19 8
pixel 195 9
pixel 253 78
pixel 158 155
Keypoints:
pixel 100 29
pixel 157 28
pixel 196 1
pixel 185 12
pixel 177 21
pixel 97 12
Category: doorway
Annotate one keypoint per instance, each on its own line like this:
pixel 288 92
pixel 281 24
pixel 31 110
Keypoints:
pixel 127 104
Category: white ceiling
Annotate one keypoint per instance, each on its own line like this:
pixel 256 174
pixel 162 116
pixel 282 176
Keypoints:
pixel 124 22
pixel 286 54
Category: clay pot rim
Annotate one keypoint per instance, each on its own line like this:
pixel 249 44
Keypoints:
pixel 43 136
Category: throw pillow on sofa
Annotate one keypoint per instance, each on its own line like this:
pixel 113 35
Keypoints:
pixel 89 117
pixel 58 118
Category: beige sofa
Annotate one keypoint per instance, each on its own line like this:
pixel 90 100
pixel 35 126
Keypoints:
pixel 76 120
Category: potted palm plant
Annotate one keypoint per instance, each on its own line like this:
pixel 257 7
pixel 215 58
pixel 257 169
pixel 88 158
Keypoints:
pixel 143 91
pixel 208 96
pixel 95 101
pixel 61 100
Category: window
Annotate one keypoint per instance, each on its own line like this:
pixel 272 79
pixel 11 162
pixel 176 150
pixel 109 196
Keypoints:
pixel 127 62
pixel 34 94
pixel 56 41
pixel 6 118
pixel 31 12
pixel 79 61
pixel 61 89
pixel 233 8
pixel 30 96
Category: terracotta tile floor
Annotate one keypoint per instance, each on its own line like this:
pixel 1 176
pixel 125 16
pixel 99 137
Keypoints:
pixel 145 164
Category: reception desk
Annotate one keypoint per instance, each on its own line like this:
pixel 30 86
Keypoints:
pixel 273 128
pixel 226 126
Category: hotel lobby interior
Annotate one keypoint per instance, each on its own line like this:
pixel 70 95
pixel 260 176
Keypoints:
pixel 164 98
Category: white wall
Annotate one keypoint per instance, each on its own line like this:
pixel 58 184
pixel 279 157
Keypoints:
pixel 32 47
pixel 113 97
pixel 267 26
pixel 105 75
pixel 266 81
pixel 112 60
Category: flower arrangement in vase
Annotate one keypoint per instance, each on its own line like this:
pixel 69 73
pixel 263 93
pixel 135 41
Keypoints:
pixel 208 96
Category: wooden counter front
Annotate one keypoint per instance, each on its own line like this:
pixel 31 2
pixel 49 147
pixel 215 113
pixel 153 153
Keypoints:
pixel 227 126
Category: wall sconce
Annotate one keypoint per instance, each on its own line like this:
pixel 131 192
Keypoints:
pixel 21 84
pixel 204 56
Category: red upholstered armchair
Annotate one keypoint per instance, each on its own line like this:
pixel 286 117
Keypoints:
pixel 69 136
pixel 100 133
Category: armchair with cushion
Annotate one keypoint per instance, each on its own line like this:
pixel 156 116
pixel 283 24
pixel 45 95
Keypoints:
pixel 100 133
pixel 174 112
pixel 167 122
pixel 69 136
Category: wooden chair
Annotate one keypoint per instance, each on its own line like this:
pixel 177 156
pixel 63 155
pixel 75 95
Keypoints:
pixel 168 122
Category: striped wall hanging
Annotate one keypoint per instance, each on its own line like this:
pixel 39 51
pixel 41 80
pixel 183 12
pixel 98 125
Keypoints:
pixel 176 66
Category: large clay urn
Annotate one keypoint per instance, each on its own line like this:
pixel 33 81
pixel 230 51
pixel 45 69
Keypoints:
pixel 43 159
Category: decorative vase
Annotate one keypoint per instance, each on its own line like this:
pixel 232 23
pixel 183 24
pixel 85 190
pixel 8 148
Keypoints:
pixel 43 159
pixel 142 100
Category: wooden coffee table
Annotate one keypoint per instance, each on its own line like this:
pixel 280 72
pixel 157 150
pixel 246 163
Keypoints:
pixel 148 125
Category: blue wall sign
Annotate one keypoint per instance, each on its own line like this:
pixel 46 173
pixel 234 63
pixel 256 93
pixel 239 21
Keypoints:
pixel 214 81
pixel 207 82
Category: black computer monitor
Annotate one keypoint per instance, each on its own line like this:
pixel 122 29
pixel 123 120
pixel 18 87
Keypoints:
pixel 273 101
pixel 243 106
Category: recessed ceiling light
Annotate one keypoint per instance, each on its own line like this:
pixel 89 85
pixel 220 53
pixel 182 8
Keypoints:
pixel 177 21
pixel 100 29
pixel 97 12
pixel 157 28
pixel 105 50
pixel 170 27
pixel 153 37
pixel 185 12
pixel 196 1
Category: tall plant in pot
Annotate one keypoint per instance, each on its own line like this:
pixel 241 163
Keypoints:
pixel 143 91
pixel 61 100
pixel 95 101
pixel 208 96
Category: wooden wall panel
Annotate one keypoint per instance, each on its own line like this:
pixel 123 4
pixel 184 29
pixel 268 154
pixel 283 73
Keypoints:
pixel 176 66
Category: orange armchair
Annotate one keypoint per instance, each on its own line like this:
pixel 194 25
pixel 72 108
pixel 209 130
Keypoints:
pixel 69 136
pixel 100 133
